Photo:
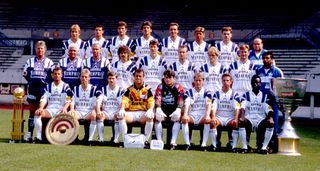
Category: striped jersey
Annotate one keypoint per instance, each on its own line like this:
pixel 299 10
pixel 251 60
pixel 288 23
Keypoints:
pixel 79 43
pixel 170 48
pixel 241 74
pixel 141 46
pixel 124 72
pixel 198 53
pixel 114 45
pixel 38 75
pixel 198 100
pixel 84 100
pixel 56 96
pixel 104 47
pixel 256 106
pixel 98 69
pixel 184 73
pixel 110 99
pixel 212 76
pixel 71 70
pixel 228 53
pixel 225 103
pixel 153 70
pixel 267 75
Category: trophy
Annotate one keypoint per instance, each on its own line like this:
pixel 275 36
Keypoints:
pixel 289 93
pixel 17 115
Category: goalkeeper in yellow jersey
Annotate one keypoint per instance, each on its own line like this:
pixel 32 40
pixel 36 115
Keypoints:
pixel 137 105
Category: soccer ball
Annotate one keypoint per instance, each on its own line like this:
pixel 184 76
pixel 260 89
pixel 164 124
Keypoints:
pixel 18 93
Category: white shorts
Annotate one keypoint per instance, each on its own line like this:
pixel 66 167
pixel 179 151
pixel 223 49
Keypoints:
pixel 53 112
pixel 108 116
pixel 196 118
pixel 136 115
pixel 224 120
pixel 255 122
pixel 83 115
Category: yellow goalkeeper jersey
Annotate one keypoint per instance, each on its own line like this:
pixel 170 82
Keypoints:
pixel 138 99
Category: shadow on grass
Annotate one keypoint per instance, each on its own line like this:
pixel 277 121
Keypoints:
pixel 4 140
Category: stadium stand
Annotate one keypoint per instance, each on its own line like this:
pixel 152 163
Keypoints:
pixel 297 62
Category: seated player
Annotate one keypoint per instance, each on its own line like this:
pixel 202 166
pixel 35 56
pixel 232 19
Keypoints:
pixel 56 100
pixel 137 105
pixel 108 105
pixel 84 102
pixel 225 111
pixel 198 101
pixel 256 114
pixel 169 102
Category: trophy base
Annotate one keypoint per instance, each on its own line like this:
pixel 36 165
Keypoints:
pixel 288 146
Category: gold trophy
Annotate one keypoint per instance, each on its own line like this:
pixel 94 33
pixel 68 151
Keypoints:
pixel 290 93
pixel 17 115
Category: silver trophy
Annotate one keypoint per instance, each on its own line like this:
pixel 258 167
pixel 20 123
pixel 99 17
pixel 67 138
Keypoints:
pixel 290 93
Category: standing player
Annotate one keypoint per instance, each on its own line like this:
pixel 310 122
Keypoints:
pixel 257 52
pixel 108 105
pixel 141 44
pixel 170 45
pixel 75 39
pixel 198 49
pixel 37 72
pixel 197 109
pixel 241 71
pixel 256 114
pixel 137 105
pixel 98 66
pixel 183 68
pixel 98 39
pixel 225 111
pixel 71 66
pixel 56 100
pixel 153 66
pixel 120 40
pixel 169 103
pixel 124 68
pixel 84 102
pixel 266 73
pixel 228 49
pixel 213 71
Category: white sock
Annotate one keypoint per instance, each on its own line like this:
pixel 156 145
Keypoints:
pixel 100 126
pixel 116 132
pixel 38 125
pixel 235 134
pixel 158 129
pixel 205 136
pixel 243 138
pixel 213 133
pixel 267 137
pixel 123 128
pixel 185 131
pixel 175 133
pixel 92 129
pixel 148 130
